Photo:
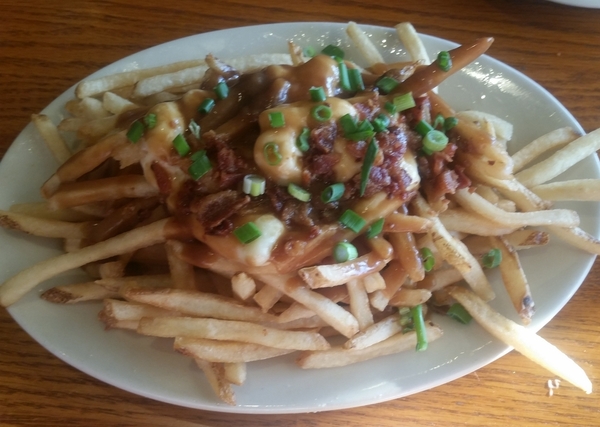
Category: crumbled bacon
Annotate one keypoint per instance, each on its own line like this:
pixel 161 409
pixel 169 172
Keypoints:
pixel 214 210
pixel 163 180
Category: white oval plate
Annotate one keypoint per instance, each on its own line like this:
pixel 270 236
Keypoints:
pixel 149 367
pixel 595 4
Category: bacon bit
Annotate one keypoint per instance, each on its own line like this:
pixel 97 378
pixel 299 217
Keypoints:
pixel 163 181
pixel 211 211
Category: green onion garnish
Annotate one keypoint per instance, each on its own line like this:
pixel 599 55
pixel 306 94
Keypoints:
pixel 254 185
pixel 194 128
pixel 352 220
pixel 333 51
pixel 419 324
pixel 386 84
pixel 181 145
pixel 276 119
pixel 302 140
pixel 247 233
pixel 344 76
pixel 321 113
pixel 272 154
pixel 150 120
pixel 444 61
pixel 298 192
pixel 390 107
pixel 333 193
pixel 428 259
pixel 492 259
pixel 438 123
pixel 309 52
pixel 435 140
pixel 206 106
pixel 405 319
pixel 200 165
pixel 356 80
pixel 381 123
pixel 404 102
pixel 458 312
pixel 422 128
pixel 344 251
pixel 135 132
pixel 317 94
pixel 375 229
pixel 348 124
pixel 221 90
pixel 449 123
pixel 372 149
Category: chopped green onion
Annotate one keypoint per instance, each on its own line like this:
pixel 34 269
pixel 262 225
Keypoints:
pixel 276 119
pixel 302 140
pixel 221 90
pixel 449 123
pixel 150 120
pixel 135 132
pixel 333 193
pixel 405 319
pixel 356 80
pixel 386 84
pixel 364 130
pixel 435 140
pixel 344 76
pixel 247 233
pixel 404 102
pixel 181 145
pixel 309 51
pixel 419 323
pixel 438 123
pixel 372 149
pixel 317 94
pixel 348 124
pixel 272 154
pixel 321 113
pixel 492 259
pixel 254 185
pixel 422 128
pixel 201 164
pixel 333 51
pixel 352 220
pixel 444 61
pixel 428 259
pixel 298 192
pixel 375 229
pixel 344 251
pixel 206 106
pixel 194 128
pixel 390 107
pixel 381 123
pixel 458 312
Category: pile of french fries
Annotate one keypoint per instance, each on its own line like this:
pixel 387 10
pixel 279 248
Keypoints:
pixel 225 315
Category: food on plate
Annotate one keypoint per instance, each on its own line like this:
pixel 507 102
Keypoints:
pixel 254 207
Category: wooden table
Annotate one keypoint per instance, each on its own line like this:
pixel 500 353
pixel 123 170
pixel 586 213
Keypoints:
pixel 45 49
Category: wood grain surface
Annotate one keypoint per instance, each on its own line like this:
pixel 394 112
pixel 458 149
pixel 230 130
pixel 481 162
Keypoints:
pixel 45 47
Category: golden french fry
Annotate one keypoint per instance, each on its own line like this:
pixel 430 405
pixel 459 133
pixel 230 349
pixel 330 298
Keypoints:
pixel 116 104
pixel 412 42
pixel 182 273
pixel 375 333
pixel 340 356
pixel 231 330
pixel 373 282
pixel 439 279
pixel 359 303
pixel 215 374
pixel 410 297
pixel 407 253
pixel 55 143
pixel 501 128
pixel 522 339
pixel 577 189
pixel 226 351
pixel 394 277
pixel 119 314
pixel 77 292
pixel 45 227
pixel 235 373
pixel 321 276
pixel 243 286
pixel 555 139
pixel 362 41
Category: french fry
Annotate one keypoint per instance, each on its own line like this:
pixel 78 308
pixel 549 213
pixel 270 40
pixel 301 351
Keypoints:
pixel 367 49
pixel 439 279
pixel 556 139
pixel 359 303
pixel 226 351
pixel 126 315
pixel 340 356
pixel 377 332
pixel 17 286
pixel 243 286
pixel 77 292
pixel 577 189
pixel 235 373
pixel 523 340
pixel 197 304
pixel 394 277
pixel 410 297
pixel 231 330
pixel 116 104
pixel 501 128
pixel 373 282
pixel 412 42
pixel 321 276
pixel 215 374
pixel 514 279
pixel 267 297
pixel 397 223
pixel 55 143
pixel 45 227
pixel 561 160
pixel 407 253
pixel 182 273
